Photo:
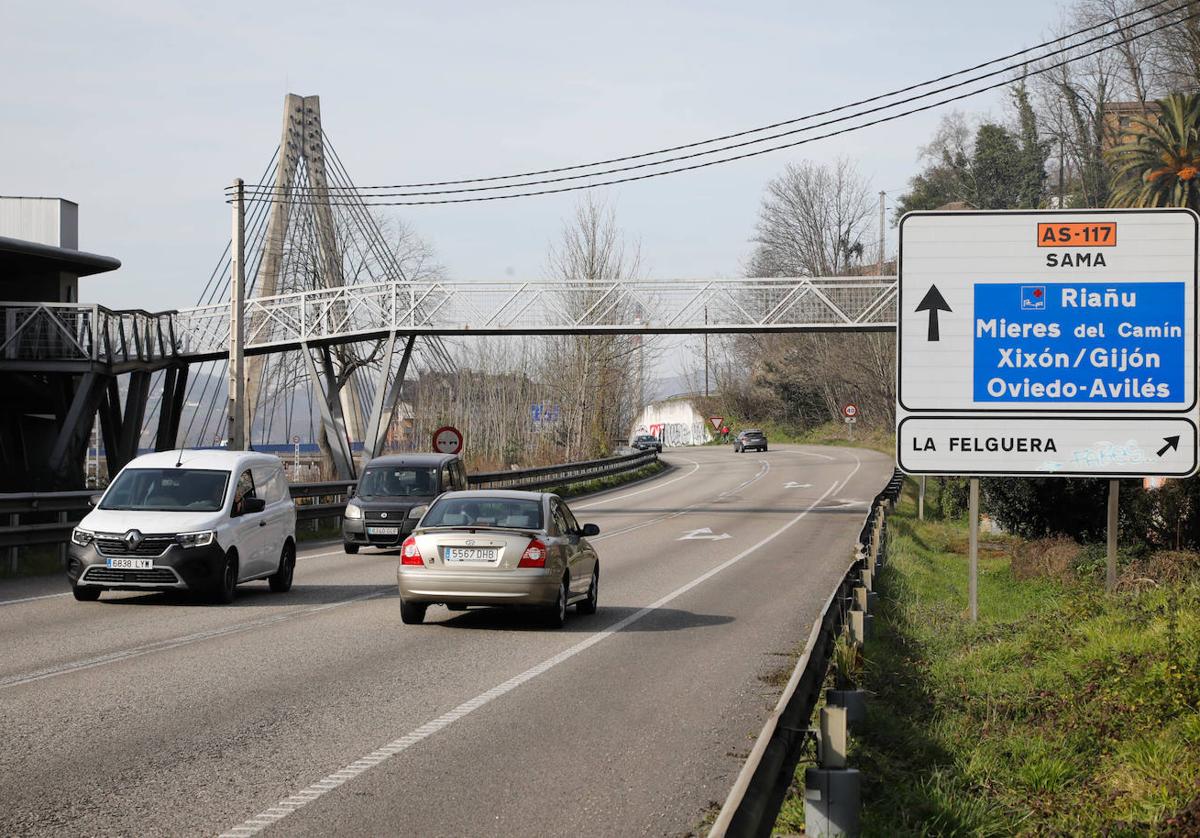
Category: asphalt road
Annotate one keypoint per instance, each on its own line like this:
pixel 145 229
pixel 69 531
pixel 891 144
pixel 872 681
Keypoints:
pixel 318 712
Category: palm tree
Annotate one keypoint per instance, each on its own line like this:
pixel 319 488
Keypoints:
pixel 1159 167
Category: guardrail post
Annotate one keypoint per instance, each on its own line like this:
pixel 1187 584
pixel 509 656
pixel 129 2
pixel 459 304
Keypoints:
pixel 62 545
pixel 831 801
pixel 14 555
pixel 833 743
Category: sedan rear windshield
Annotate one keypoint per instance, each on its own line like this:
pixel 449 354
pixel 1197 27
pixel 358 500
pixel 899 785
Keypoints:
pixel 752 433
pixel 507 513
pixel 398 482
pixel 167 490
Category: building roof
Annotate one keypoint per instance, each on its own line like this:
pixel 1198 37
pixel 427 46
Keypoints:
pixel 18 252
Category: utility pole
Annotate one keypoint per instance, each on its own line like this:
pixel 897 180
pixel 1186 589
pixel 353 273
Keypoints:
pixel 882 213
pixel 237 325
pixel 1062 165
pixel 706 353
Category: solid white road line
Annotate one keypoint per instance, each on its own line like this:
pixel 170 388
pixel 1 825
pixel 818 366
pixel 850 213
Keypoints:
pixel 385 752
pixel 695 468
pixel 32 598
pixel 761 473
pixel 176 642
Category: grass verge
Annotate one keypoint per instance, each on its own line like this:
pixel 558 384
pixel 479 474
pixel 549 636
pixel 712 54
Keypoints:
pixel 1063 711
pixel 612 481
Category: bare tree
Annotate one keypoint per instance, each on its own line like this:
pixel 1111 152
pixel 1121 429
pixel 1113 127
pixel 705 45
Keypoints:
pixel 595 377
pixel 812 221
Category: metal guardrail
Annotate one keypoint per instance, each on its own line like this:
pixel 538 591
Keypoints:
pixel 758 793
pixel 325 499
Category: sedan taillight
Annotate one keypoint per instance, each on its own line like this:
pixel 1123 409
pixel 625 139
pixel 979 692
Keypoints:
pixel 409 554
pixel 534 555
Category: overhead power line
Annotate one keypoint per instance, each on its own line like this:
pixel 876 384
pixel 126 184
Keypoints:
pixel 265 192
pixel 257 191
pixel 879 97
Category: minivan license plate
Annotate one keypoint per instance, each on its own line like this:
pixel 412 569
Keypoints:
pixel 470 554
pixel 383 530
pixel 131 564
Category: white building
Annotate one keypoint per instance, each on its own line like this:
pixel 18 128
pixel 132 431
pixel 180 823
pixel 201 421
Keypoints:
pixel 674 421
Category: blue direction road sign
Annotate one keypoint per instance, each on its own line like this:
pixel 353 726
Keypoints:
pixel 1048 343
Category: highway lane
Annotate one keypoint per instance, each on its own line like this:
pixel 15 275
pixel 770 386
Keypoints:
pixel 144 714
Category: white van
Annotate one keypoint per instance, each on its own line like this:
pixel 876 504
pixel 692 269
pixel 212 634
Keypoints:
pixel 188 520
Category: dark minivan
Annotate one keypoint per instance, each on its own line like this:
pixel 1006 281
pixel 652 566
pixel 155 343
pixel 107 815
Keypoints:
pixel 392 495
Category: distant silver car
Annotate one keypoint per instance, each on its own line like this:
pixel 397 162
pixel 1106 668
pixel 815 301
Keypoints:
pixel 499 547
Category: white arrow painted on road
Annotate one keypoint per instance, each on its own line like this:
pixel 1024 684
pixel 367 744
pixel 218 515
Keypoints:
pixel 703 535
pixel 794 485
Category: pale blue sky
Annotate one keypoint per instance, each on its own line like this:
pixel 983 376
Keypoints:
pixel 143 111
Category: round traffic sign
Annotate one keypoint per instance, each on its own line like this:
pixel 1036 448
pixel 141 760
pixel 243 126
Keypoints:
pixel 447 440
pixel 296 440
pixel 849 410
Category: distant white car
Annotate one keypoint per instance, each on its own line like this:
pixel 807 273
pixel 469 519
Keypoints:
pixel 188 520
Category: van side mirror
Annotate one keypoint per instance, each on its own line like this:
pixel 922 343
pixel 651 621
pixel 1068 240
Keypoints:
pixel 94 500
pixel 248 506
pixel 589 530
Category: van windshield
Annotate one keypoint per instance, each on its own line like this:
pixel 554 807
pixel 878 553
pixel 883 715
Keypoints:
pixel 167 490
pixel 398 482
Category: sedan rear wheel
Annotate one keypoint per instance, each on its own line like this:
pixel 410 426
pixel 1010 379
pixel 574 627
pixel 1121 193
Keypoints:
pixel 589 605
pixel 556 616
pixel 412 613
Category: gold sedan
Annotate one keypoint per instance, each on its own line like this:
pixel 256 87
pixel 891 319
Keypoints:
pixel 496 547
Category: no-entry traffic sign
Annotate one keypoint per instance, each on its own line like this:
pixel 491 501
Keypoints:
pixel 448 440
pixel 1047 343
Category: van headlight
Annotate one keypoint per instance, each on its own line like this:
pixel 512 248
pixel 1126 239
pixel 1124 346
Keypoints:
pixel 82 537
pixel 353 510
pixel 196 539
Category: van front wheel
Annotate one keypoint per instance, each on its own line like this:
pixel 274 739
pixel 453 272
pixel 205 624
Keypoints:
pixel 227 584
pixel 281 580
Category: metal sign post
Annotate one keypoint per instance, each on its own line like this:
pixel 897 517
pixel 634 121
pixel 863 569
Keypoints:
pixel 1035 343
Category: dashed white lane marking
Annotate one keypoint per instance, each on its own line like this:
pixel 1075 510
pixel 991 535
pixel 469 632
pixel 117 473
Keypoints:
pixel 176 642
pixel 385 752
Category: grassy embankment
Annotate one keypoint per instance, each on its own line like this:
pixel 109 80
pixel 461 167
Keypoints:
pixel 1064 711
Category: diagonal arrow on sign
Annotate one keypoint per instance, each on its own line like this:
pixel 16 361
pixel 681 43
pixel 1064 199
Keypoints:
pixel 1172 442
pixel 704 534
